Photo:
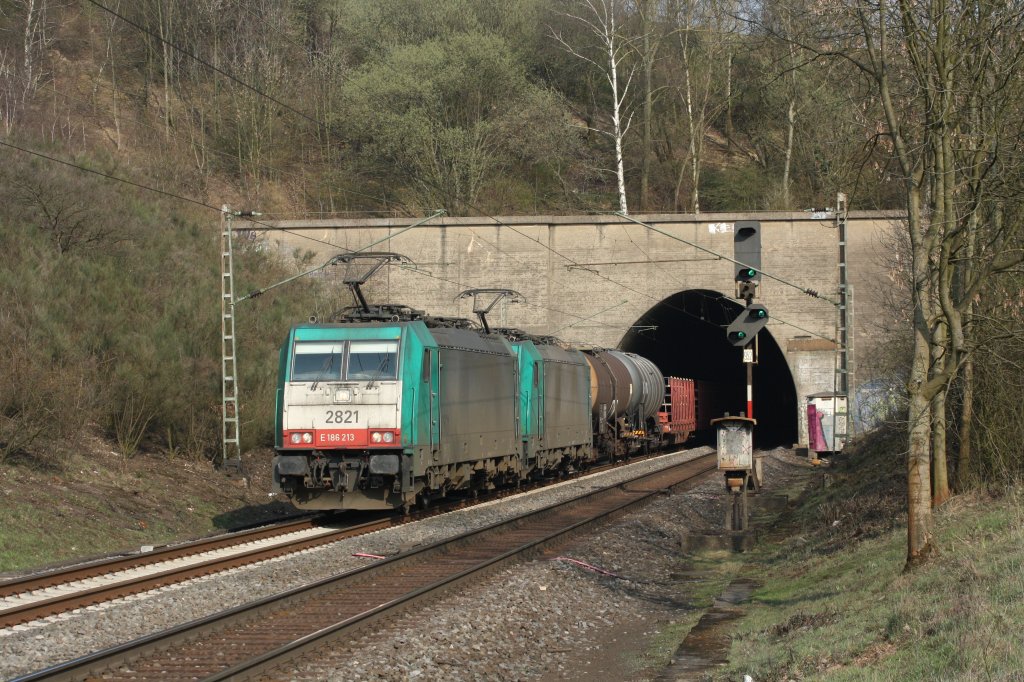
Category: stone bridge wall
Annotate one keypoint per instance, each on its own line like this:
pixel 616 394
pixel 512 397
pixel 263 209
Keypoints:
pixel 588 279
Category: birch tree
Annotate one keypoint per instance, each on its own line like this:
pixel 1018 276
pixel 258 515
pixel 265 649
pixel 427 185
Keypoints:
pixel 700 30
pixel 599 18
pixel 22 61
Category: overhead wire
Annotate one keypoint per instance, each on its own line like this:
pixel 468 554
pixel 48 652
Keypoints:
pixel 719 298
pixel 470 204
pixel 149 188
pixel 810 292
pixel 460 285
pixel 109 176
pixel 578 317
pixel 205 63
pixel 157 129
pixel 229 76
pixel 273 227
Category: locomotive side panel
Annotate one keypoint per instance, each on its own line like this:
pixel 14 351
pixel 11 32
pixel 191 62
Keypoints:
pixel 478 401
pixel 478 404
pixel 567 420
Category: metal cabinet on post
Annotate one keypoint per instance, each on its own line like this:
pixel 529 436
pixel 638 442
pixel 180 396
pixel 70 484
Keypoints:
pixel 736 460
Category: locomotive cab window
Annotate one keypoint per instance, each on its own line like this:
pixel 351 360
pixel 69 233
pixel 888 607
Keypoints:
pixel 373 360
pixel 317 360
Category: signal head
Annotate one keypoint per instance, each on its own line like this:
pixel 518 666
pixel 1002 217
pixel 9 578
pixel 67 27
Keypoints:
pixel 747 324
pixel 746 274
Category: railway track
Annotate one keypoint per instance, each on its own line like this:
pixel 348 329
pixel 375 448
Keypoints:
pixel 39 596
pixel 255 639
pixel 33 597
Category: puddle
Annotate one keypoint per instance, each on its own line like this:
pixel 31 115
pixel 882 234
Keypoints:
pixel 707 644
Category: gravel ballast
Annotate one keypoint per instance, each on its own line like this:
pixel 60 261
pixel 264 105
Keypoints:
pixel 525 622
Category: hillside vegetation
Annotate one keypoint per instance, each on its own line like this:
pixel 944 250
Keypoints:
pixel 110 290
pixel 127 125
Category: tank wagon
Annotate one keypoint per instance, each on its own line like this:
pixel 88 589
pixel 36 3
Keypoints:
pixel 385 414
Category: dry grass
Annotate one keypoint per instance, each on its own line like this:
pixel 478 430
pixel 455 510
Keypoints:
pixel 836 604
pixel 99 502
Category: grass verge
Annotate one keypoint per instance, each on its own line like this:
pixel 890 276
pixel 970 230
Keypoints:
pixel 835 603
pixel 97 503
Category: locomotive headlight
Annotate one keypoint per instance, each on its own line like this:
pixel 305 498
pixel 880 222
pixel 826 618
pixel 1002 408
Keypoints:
pixel 307 437
pixel 296 438
pixel 376 437
pixel 389 437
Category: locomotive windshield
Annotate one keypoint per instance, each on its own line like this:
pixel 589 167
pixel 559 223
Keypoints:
pixel 373 360
pixel 317 360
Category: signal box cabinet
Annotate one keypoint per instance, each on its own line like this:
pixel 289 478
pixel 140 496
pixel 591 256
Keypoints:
pixel 735 443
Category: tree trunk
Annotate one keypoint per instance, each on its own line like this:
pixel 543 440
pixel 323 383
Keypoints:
pixel 696 128
pixel 728 101
pixel 646 152
pixel 114 95
pixel 963 465
pixel 919 499
pixel 940 475
pixel 613 75
pixel 790 127
pixel 919 394
pixel 163 14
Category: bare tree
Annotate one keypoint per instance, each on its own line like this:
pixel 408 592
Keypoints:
pixel 701 29
pixel 945 77
pixel 36 40
pixel 935 66
pixel 599 17
pixel 20 78
pixel 650 49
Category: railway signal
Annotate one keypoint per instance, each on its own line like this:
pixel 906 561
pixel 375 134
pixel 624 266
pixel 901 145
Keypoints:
pixel 747 324
pixel 747 251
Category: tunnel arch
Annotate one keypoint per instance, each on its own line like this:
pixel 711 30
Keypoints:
pixel 684 335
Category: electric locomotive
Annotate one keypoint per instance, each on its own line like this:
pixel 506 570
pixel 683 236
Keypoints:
pixel 373 415
pixel 389 407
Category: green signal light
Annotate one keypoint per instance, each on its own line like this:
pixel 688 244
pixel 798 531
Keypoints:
pixel 748 272
pixel 761 314
pixel 740 335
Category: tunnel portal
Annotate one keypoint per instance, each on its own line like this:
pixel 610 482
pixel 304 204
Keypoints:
pixel 684 335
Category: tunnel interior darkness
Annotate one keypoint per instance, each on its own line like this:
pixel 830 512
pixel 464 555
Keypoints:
pixel 684 335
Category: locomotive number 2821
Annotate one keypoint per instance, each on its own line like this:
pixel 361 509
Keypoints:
pixel 343 416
